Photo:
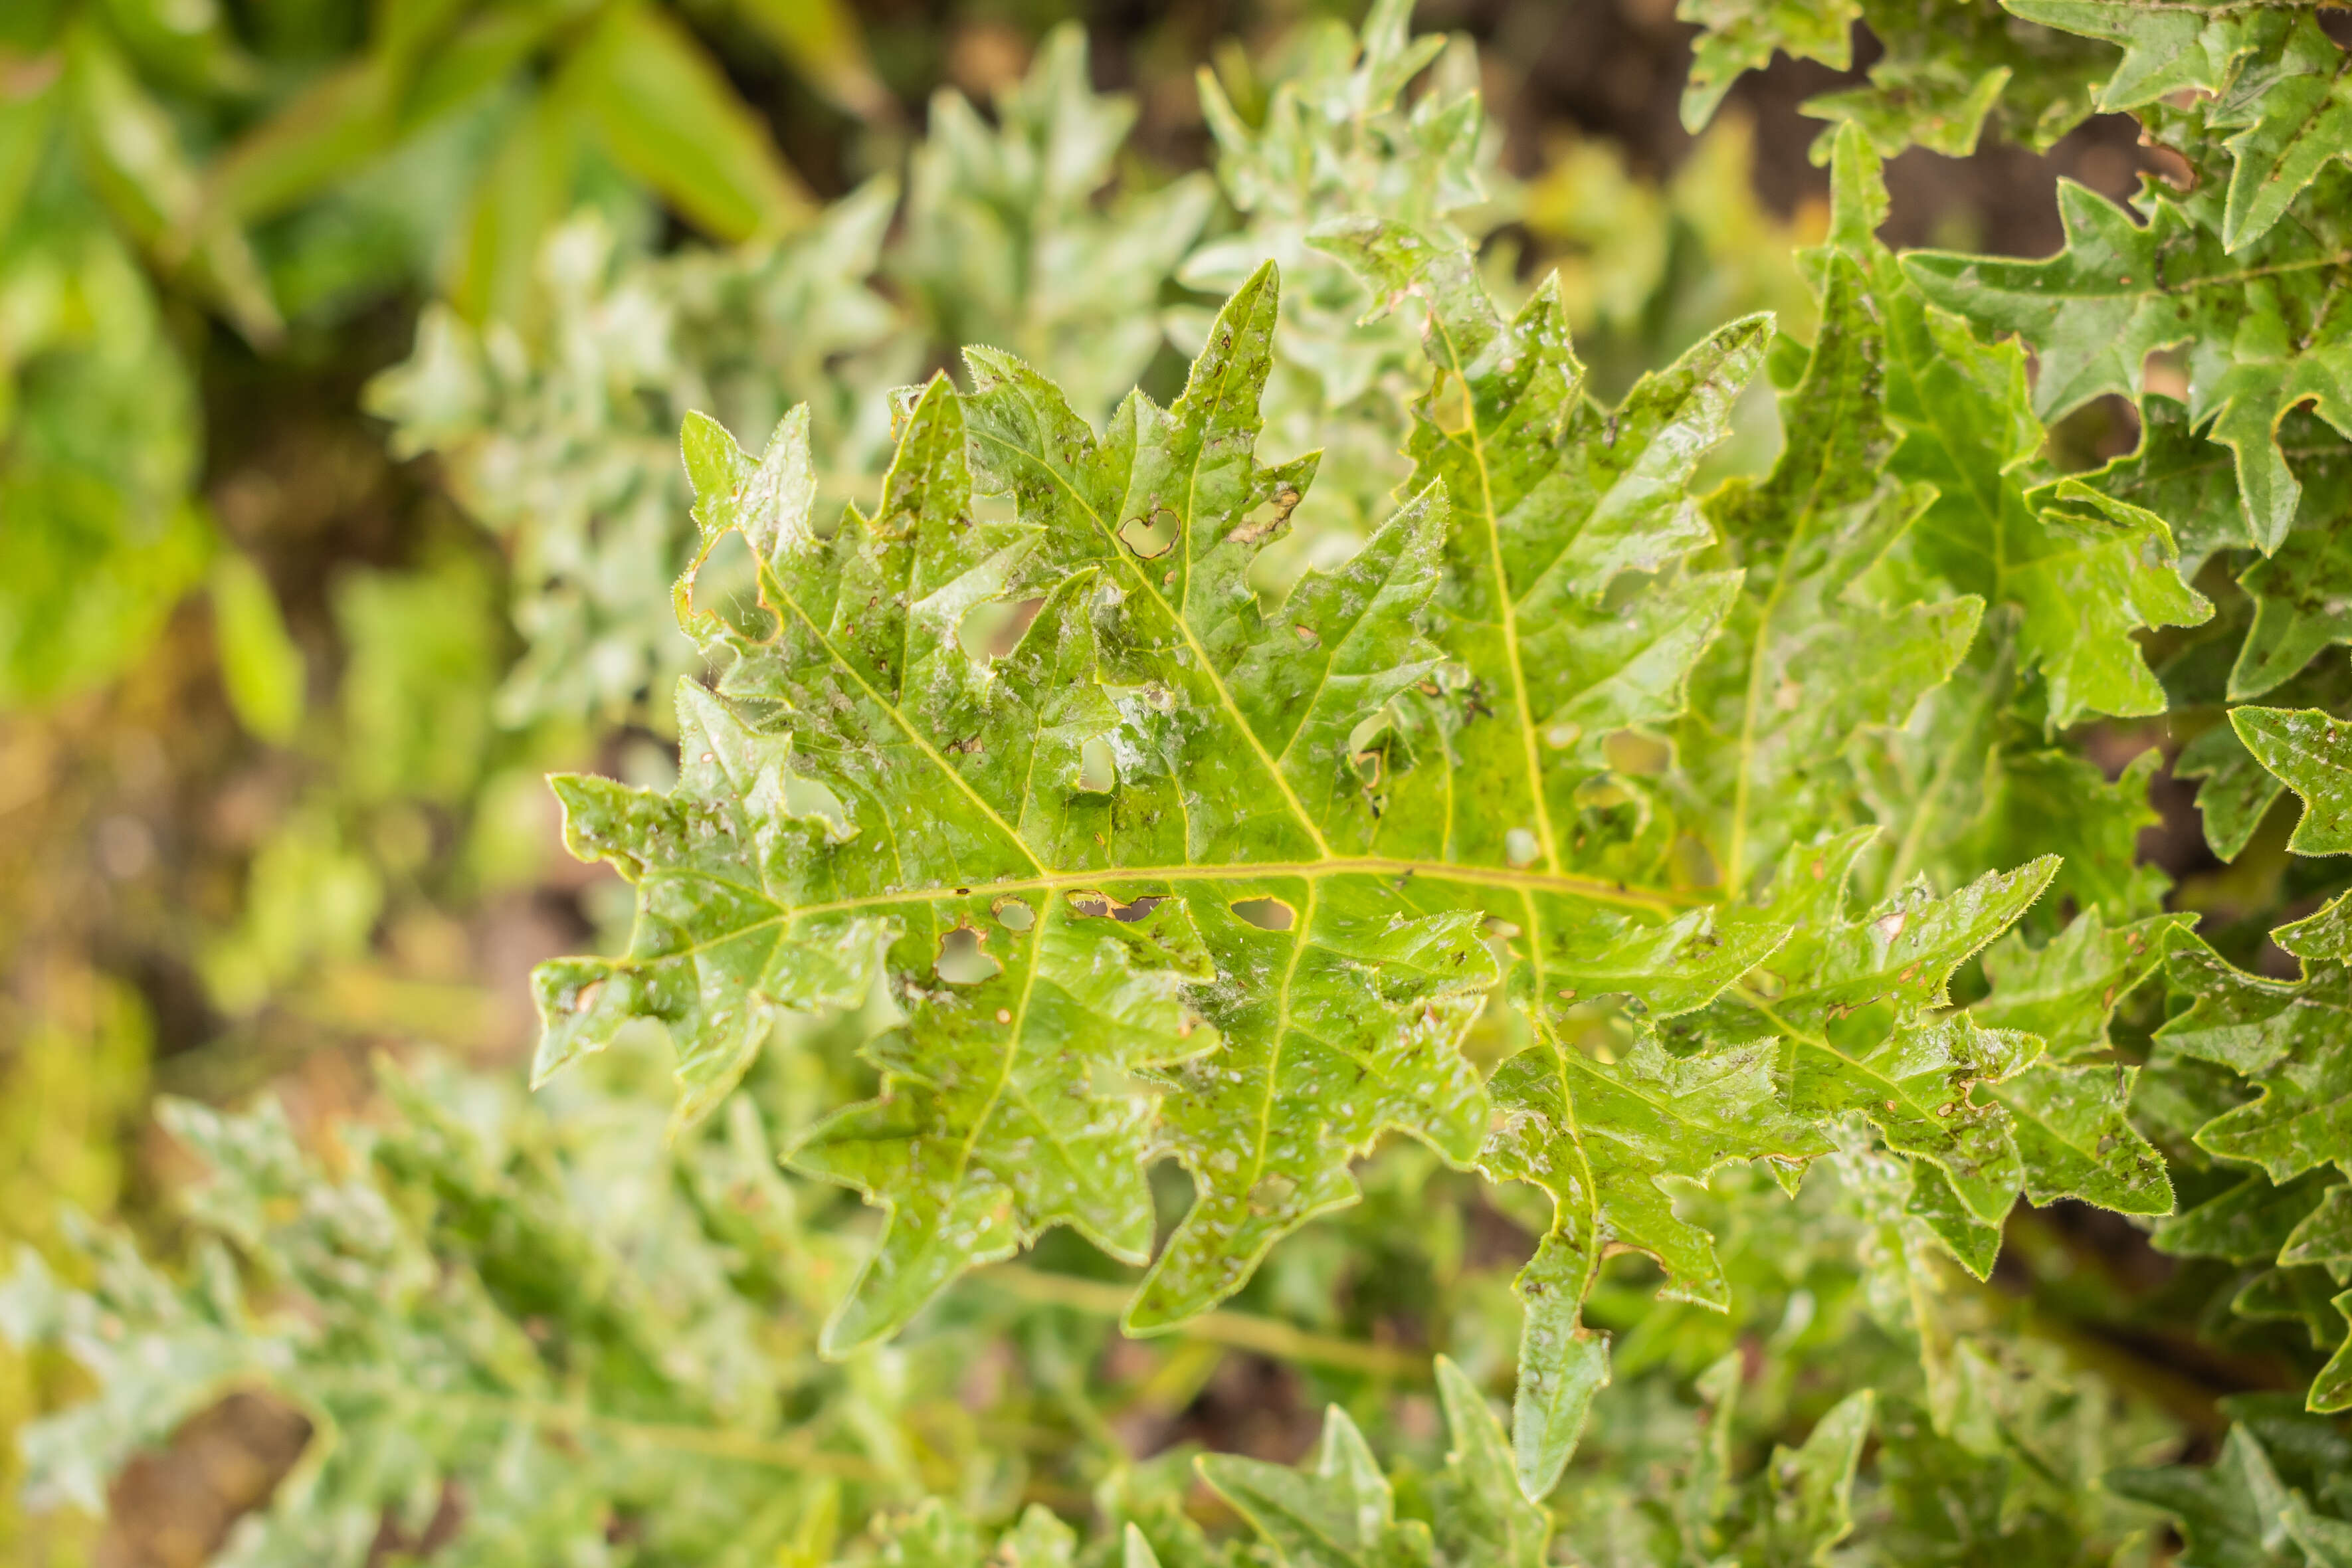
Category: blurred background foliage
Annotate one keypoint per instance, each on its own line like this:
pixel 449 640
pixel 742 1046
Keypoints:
pixel 343 352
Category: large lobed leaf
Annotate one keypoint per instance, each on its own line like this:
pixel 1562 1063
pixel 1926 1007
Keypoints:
pixel 1127 863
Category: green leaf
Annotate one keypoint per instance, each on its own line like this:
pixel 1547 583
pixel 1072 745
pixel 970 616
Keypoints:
pixel 2325 1233
pixel 1481 1514
pixel 2237 791
pixel 2302 604
pixel 137 164
pixel 1341 1514
pixel 517 200
pixel 2256 322
pixel 1811 656
pixel 1972 781
pixel 822 39
pixel 2252 1221
pixel 2311 754
pixel 1135 1551
pixel 563 439
pixel 1975 1243
pixel 2083 570
pixel 2074 1139
pixel 1010 237
pixel 2244 1022
pixel 2290 1040
pixel 1852 1005
pixel 1914 1086
pixel 1944 68
pixel 2326 935
pixel 1812 1485
pixel 2295 1297
pixel 1947 66
pixel 1559 498
pixel 1741 35
pixel 2090 538
pixel 893 716
pixel 1167 871
pixel 2232 1514
pixel 1937 100
pixel 1267 1126
pixel 2331 1391
pixel 1330 135
pixel 2281 85
pixel 190 1342
pixel 2181 477
pixel 2066 991
pixel 2327 1542
pixel 1596 1137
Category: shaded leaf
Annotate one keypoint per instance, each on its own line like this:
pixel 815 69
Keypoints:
pixel 2311 754
pixel 2287 1038
pixel 2257 321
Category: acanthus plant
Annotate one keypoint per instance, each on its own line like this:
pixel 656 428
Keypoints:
pixel 1609 836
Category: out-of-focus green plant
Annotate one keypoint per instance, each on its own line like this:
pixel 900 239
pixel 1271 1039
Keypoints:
pixel 1011 241
pixel 72 1076
pixel 161 161
pixel 98 443
pixel 564 442
pixel 1646 269
pixel 405 772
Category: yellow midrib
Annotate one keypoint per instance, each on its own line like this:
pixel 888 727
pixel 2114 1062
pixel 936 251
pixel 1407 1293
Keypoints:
pixel 1592 887
pixel 1662 901
pixel 1503 602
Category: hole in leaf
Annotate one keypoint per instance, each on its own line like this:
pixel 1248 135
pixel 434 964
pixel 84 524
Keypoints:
pixel 1694 864
pixel 809 800
pixel 1519 847
pixel 1605 791
pixel 1451 406
pixel 1267 914
pixel 2109 426
pixel 1013 914
pixel 726 584
pixel 1268 519
pixel 1626 588
pixel 961 961
pixel 1096 904
pixel 993 629
pixel 1098 766
pixel 1151 538
pixel 1641 756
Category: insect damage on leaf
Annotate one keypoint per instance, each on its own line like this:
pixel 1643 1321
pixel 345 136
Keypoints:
pixel 1270 864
